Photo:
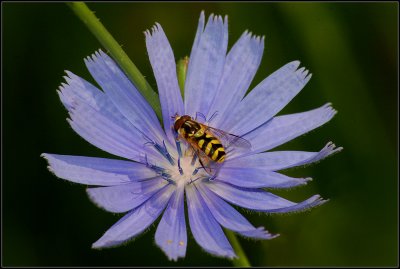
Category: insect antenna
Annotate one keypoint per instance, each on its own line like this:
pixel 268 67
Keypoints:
pixel 213 116
pixel 201 115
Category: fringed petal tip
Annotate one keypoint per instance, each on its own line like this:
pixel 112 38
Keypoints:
pixel 48 158
pixel 202 15
pixel 329 150
pixel 156 28
pixel 44 155
pixel 262 234
pixel 303 75
pixel 217 19
pixel 327 112
pixel 231 256
pixel 256 39
pixel 96 55
pixel 52 161
pixel 306 205
pixel 293 65
pixel 67 90
pixel 291 185
pixel 227 254
pixel 266 235
pixel 173 255
pixel 174 258
pixel 329 107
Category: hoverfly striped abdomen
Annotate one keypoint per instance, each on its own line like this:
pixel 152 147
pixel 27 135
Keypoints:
pixel 212 147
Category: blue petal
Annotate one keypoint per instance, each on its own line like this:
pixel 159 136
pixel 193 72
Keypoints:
pixel 206 65
pixel 260 200
pixel 278 160
pixel 124 95
pixel 136 221
pixel 104 133
pixel 164 68
pixel 171 234
pixel 79 93
pixel 200 30
pixel 205 229
pixel 78 90
pixel 259 177
pixel 240 67
pixel 267 99
pixel 287 127
pixel 229 217
pixel 122 198
pixel 96 171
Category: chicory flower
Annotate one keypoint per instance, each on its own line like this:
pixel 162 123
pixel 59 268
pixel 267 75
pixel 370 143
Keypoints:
pixel 159 173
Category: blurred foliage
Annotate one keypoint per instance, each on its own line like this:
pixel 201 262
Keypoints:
pixel 351 49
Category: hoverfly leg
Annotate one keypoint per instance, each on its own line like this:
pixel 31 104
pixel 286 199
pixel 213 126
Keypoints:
pixel 178 147
pixel 202 165
pixel 194 180
pixel 214 176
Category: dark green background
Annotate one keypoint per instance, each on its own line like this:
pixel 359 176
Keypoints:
pixel 351 49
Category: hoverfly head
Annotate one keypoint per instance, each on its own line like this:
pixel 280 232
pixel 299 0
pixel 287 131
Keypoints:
pixel 179 121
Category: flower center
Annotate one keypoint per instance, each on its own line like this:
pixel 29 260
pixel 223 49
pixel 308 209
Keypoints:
pixel 188 170
pixel 184 166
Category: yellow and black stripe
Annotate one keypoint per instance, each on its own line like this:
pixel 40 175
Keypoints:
pixel 212 147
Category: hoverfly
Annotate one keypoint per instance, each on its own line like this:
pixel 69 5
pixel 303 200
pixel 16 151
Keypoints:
pixel 207 142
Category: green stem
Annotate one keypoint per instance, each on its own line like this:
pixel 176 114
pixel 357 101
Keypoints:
pixel 242 260
pixel 106 39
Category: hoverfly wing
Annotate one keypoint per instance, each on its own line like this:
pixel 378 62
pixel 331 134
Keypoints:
pixel 204 160
pixel 230 140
